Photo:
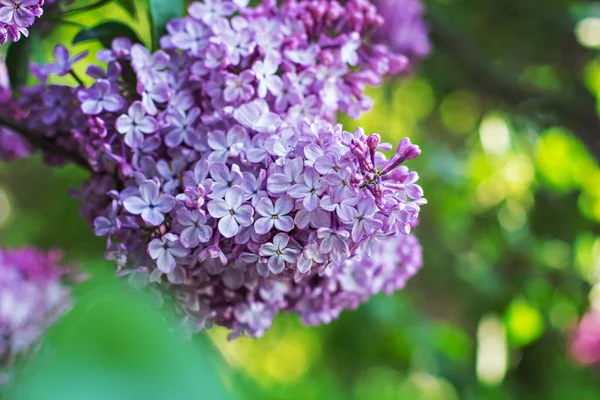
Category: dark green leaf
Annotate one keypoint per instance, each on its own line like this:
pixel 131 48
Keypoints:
pixel 106 32
pixel 161 11
pixel 19 55
pixel 129 6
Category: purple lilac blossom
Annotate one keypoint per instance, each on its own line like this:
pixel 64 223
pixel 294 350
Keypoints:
pixel 404 29
pixel 224 168
pixel 32 298
pixel 12 146
pixel 16 16
pixel 585 343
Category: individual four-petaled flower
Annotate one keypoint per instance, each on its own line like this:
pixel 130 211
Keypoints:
pixel 309 190
pixel 151 205
pixel 274 215
pixel 279 253
pixel 231 212
pixel 164 251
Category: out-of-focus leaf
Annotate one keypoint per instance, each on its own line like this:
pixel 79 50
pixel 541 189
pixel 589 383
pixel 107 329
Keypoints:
pixel 161 11
pixel 129 6
pixel 114 345
pixel 105 33
pixel 18 56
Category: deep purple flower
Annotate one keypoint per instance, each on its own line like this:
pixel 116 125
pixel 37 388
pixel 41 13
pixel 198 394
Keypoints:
pixel 231 212
pixel 151 205
pixel 62 62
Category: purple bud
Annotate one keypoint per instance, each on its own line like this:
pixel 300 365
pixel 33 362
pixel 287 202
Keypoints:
pixel 373 141
pixel 406 151
pixel 359 149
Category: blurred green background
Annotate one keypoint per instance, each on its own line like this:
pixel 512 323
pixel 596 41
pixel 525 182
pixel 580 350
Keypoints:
pixel 505 111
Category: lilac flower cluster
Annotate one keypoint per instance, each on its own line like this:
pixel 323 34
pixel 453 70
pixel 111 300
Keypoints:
pixel 404 29
pixel 585 344
pixel 219 175
pixel 12 146
pixel 32 298
pixel 16 16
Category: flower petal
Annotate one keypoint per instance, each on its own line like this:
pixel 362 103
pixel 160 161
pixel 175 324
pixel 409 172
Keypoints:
pixel 263 225
pixel 228 226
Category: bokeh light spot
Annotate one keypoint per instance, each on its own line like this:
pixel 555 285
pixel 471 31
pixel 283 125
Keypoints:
pixel 460 111
pixel 588 32
pixel 524 323
pixel 492 353
pixel 494 135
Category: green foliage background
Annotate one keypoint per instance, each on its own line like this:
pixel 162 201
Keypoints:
pixel 505 112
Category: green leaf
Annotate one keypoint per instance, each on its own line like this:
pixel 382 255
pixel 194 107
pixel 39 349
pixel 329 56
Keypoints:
pixel 19 55
pixel 129 6
pixel 106 32
pixel 161 11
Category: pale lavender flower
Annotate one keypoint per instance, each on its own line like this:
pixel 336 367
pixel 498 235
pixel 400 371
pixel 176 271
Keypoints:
pixel 268 81
pixel 193 38
pixel 343 206
pixel 151 205
pixel 238 87
pixel 279 253
pixel 231 212
pixel 281 182
pixel 256 316
pixel 17 12
pixel 165 250
pixel 223 179
pixel 274 215
pixel 364 222
pixel 311 254
pixel 182 128
pixel 210 10
pixel 135 124
pixel 153 93
pixel 309 189
pixel 227 145
pixel 100 97
pixel 257 116
pixel 195 229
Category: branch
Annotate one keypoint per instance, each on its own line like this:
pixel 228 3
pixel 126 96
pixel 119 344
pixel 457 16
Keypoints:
pixel 577 112
pixel 42 142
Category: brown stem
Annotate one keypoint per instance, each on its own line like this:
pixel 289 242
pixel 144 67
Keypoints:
pixel 42 142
